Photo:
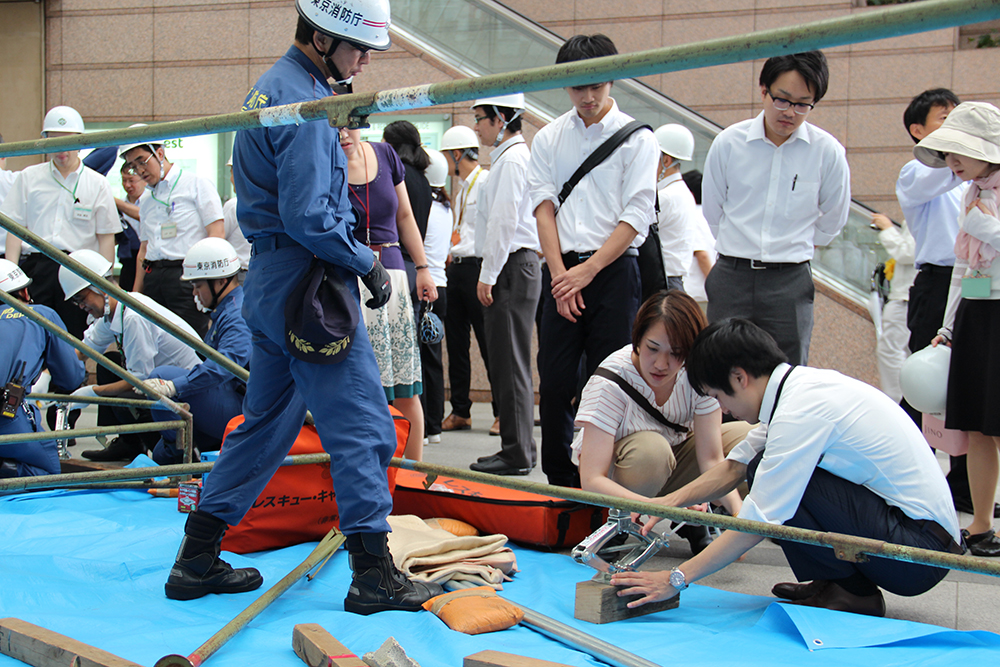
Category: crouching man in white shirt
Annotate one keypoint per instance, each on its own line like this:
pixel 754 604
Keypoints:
pixel 831 454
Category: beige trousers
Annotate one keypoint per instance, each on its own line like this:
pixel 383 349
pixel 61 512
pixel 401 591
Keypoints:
pixel 646 464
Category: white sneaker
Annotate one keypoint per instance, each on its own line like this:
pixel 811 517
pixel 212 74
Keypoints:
pixel 433 439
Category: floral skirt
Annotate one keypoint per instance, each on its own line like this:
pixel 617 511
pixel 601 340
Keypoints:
pixel 393 333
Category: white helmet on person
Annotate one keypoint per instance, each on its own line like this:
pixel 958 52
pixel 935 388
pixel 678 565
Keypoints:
pixel 437 171
pixel 514 101
pixel 210 258
pixel 458 138
pixel 62 119
pixel 675 140
pixel 362 23
pixel 149 145
pixel 924 379
pixel 71 283
pixel 12 277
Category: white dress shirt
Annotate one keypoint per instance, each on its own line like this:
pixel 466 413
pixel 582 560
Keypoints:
pixel 901 246
pixel 234 234
pixel 466 205
pixel 7 178
pixel 931 200
pixel 702 240
pixel 145 345
pixel 437 240
pixel 620 189
pixel 848 428
pixel 504 209
pixel 67 212
pixel 774 203
pixel 174 216
pixel 677 220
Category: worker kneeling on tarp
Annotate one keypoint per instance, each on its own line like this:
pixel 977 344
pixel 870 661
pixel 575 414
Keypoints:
pixel 214 395
pixel 27 349
pixel 831 454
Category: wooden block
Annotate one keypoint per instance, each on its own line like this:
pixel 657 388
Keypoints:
pixel 43 648
pixel 318 648
pixel 599 603
pixel 500 659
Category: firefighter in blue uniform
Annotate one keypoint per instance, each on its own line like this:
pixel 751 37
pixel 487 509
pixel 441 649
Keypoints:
pixel 291 183
pixel 214 395
pixel 28 349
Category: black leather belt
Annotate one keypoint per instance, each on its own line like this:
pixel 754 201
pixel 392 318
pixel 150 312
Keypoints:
pixel 272 242
pixel 572 258
pixel 161 263
pixel 936 268
pixel 466 260
pixel 935 529
pixel 756 264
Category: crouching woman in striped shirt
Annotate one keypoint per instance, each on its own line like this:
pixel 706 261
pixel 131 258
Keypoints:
pixel 644 431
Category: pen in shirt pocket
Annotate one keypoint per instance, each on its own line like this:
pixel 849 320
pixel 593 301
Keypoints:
pixel 793 182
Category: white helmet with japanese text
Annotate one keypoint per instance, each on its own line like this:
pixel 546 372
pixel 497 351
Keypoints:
pixel 362 23
pixel 210 258
pixel 12 277
pixel 62 119
pixel 71 283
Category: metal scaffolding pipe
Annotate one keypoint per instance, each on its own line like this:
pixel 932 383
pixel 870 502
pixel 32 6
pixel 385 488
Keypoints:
pixel 567 634
pixel 847 547
pixel 41 436
pixel 861 26
pixel 186 433
pixel 91 400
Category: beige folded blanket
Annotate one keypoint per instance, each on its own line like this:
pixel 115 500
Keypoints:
pixel 431 554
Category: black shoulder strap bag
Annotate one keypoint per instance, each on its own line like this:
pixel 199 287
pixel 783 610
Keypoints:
pixel 641 400
pixel 651 272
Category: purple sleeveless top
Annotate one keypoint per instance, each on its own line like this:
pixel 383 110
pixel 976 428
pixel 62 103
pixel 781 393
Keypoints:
pixel 381 202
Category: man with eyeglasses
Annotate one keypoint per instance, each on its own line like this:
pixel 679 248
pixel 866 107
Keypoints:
pixel 775 187
pixel 180 209
pixel 291 183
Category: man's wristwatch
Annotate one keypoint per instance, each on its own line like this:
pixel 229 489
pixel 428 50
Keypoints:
pixel 677 580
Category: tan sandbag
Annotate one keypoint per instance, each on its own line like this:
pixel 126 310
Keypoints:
pixel 475 610
pixel 453 526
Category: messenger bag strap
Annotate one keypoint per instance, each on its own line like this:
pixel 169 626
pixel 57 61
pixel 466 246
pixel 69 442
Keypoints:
pixel 602 153
pixel 641 400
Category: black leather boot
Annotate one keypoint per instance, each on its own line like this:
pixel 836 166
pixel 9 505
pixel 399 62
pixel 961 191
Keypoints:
pixel 198 569
pixel 377 585
pixel 123 448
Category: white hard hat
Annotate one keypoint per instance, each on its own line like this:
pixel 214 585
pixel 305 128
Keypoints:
pixel 458 138
pixel 12 278
pixel 62 119
pixel 437 170
pixel 514 101
pixel 210 258
pixel 924 379
pixel 362 22
pixel 71 283
pixel 675 140
pixel 151 146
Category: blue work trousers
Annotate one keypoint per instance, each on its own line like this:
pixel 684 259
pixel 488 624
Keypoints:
pixel 31 458
pixel 211 411
pixel 346 400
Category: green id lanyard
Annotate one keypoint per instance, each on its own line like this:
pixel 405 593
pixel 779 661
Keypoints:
pixel 168 204
pixel 71 192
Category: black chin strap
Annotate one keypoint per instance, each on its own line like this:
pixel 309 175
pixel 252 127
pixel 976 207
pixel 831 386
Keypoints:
pixel 328 59
pixel 215 295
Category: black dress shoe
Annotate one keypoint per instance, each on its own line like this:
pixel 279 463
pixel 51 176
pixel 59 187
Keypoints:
pixel 120 449
pixel 790 591
pixel 835 598
pixel 963 504
pixel 484 459
pixel 498 466
pixel 982 544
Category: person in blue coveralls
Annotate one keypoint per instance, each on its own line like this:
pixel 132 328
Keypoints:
pixel 27 349
pixel 215 395
pixel 291 183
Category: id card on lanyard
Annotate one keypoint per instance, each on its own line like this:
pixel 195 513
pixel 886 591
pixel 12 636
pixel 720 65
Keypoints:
pixel 168 230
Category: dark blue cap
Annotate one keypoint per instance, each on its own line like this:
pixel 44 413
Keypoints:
pixel 321 317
